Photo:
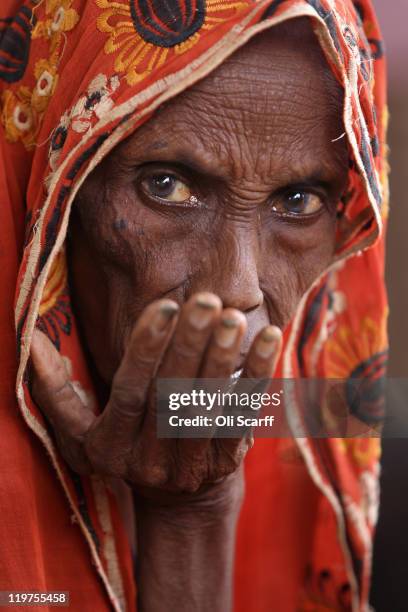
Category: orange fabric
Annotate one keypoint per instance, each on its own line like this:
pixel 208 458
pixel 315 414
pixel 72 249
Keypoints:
pixel 76 77
pixel 274 546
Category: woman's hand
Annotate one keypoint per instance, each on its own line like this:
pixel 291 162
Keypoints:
pixel 188 491
pixel 200 340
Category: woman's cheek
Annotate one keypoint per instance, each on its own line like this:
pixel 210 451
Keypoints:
pixel 154 269
pixel 295 258
pixel 307 239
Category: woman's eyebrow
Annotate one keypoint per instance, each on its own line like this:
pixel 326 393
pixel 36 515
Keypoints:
pixel 195 160
pixel 321 179
pixel 309 172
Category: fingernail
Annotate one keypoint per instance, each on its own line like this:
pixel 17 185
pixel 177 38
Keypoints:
pixel 163 316
pixel 267 343
pixel 202 313
pixel 226 333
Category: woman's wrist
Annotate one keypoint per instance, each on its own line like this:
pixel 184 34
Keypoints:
pixel 212 497
pixel 185 548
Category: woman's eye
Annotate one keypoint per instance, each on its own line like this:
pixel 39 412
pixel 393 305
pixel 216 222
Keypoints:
pixel 298 203
pixel 166 187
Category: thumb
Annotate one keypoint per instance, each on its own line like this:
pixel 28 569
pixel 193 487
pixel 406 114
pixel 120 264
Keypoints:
pixel 53 391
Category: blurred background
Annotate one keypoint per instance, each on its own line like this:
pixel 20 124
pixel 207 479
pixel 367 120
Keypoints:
pixel 390 578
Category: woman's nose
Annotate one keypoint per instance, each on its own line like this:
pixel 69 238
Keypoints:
pixel 239 288
pixel 231 272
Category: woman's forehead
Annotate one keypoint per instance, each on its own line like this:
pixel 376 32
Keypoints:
pixel 274 94
pixel 285 57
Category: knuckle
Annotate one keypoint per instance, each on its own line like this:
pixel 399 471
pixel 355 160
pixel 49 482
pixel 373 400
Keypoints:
pixel 186 350
pixel 221 371
pixel 189 475
pixel 146 468
pixel 221 356
pixel 103 462
pixel 187 483
pixel 258 369
pixel 47 396
pixel 155 476
pixel 222 470
pixel 126 396
pixel 226 462
pixel 64 393
pixel 143 358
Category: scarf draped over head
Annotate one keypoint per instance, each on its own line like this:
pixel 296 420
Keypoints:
pixel 76 78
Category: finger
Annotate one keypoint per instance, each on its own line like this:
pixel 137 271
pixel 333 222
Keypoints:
pixel 264 353
pixel 223 351
pixel 53 391
pixel 260 365
pixel 182 360
pixel 219 363
pixel 195 325
pixel 148 342
pixel 110 443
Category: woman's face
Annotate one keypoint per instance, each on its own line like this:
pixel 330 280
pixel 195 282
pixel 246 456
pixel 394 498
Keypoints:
pixel 231 188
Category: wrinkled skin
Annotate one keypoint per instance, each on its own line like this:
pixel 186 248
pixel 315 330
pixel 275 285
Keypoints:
pixel 260 125
pixel 241 143
pixel 227 197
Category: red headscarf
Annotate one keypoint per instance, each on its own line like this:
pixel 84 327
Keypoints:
pixel 76 78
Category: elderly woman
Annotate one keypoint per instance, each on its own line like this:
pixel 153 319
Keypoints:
pixel 183 182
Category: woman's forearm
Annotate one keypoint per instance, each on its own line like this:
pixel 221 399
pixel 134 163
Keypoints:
pixel 185 550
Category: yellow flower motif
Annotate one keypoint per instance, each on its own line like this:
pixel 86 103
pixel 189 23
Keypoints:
pixel 56 283
pixel 23 109
pixel 46 74
pixel 348 349
pixel 61 18
pixel 142 43
pixel 19 119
